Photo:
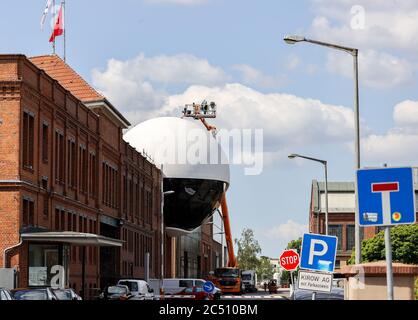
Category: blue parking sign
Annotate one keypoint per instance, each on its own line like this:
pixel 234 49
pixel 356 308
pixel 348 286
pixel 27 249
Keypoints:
pixel 318 252
pixel 386 196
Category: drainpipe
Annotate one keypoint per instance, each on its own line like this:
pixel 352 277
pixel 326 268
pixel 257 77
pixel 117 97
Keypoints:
pixel 8 249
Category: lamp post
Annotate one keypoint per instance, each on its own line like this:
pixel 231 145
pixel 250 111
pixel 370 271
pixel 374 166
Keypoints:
pixel 222 233
pixel 324 162
pixel 163 194
pixel 354 52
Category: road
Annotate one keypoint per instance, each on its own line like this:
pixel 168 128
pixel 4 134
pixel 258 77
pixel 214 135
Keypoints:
pixel 259 295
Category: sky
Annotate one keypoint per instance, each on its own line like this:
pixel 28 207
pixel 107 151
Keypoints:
pixel 151 56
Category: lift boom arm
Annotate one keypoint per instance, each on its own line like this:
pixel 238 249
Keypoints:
pixel 232 261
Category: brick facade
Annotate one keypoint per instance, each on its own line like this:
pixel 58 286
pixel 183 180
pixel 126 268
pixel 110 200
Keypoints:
pixel 65 167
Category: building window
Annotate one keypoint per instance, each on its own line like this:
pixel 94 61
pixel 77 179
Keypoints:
pixel 59 157
pixel 45 142
pixel 142 256
pixel 379 228
pixel 125 195
pixel 350 243
pixel 72 163
pixel 109 185
pixel 28 139
pixel 69 221
pixel 148 206
pixel 136 250
pixel 93 175
pixel 28 212
pixel 337 264
pixel 83 165
pixel 46 206
pixel 336 230
pixel 57 219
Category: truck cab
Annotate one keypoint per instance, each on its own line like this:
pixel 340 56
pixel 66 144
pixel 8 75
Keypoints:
pixel 249 279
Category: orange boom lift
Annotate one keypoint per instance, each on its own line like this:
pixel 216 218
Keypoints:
pixel 228 278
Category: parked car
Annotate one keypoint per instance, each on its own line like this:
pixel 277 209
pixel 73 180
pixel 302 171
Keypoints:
pixel 140 289
pixel 272 286
pixel 197 292
pixel 335 294
pixel 5 294
pixel 66 294
pixel 118 292
pixel 175 285
pixel 44 293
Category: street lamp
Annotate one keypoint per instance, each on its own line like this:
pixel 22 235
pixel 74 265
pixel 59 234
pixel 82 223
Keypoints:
pixel 163 194
pixel 354 52
pixel 222 233
pixel 324 162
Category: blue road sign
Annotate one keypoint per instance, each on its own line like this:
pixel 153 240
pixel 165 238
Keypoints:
pixel 318 252
pixel 386 196
pixel 208 287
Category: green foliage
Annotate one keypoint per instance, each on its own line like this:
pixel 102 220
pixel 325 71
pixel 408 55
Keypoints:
pixel 264 269
pixel 295 244
pixel 248 250
pixel 404 246
pixel 416 288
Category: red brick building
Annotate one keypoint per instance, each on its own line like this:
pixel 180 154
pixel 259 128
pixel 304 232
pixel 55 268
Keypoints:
pixel 341 208
pixel 65 167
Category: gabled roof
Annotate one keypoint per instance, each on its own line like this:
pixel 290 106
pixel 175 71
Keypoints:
pixel 57 69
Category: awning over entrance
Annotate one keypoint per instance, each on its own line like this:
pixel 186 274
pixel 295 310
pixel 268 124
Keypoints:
pixel 75 238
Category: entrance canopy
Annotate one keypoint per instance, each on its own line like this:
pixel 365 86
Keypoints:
pixel 75 238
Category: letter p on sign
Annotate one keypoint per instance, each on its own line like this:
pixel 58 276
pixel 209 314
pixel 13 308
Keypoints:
pixel 312 252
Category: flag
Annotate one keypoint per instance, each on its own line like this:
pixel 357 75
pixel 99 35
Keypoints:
pixel 46 11
pixel 58 27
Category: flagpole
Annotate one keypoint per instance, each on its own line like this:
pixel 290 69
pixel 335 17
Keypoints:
pixel 54 13
pixel 65 31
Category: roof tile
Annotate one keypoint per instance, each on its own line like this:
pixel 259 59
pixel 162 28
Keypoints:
pixel 56 68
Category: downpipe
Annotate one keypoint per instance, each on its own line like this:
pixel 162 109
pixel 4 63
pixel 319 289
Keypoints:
pixel 8 249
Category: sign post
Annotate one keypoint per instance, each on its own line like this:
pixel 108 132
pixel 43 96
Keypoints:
pixel 289 260
pixel 389 272
pixel 386 197
pixel 318 253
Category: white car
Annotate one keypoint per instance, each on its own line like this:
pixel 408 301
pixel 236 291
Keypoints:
pixel 140 289
pixel 173 286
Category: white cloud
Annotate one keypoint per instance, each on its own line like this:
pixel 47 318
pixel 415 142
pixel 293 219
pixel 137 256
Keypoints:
pixel 287 120
pixel 253 76
pixel 388 24
pixel 406 114
pixel 398 145
pixel 287 231
pixel 394 148
pixel 378 70
pixel 179 2
pixel 131 84
pixel 386 38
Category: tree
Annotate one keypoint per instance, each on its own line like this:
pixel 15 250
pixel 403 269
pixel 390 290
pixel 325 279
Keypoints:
pixel 404 246
pixel 248 250
pixel 264 269
pixel 296 245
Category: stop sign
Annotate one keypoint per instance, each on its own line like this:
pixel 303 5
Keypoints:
pixel 289 260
